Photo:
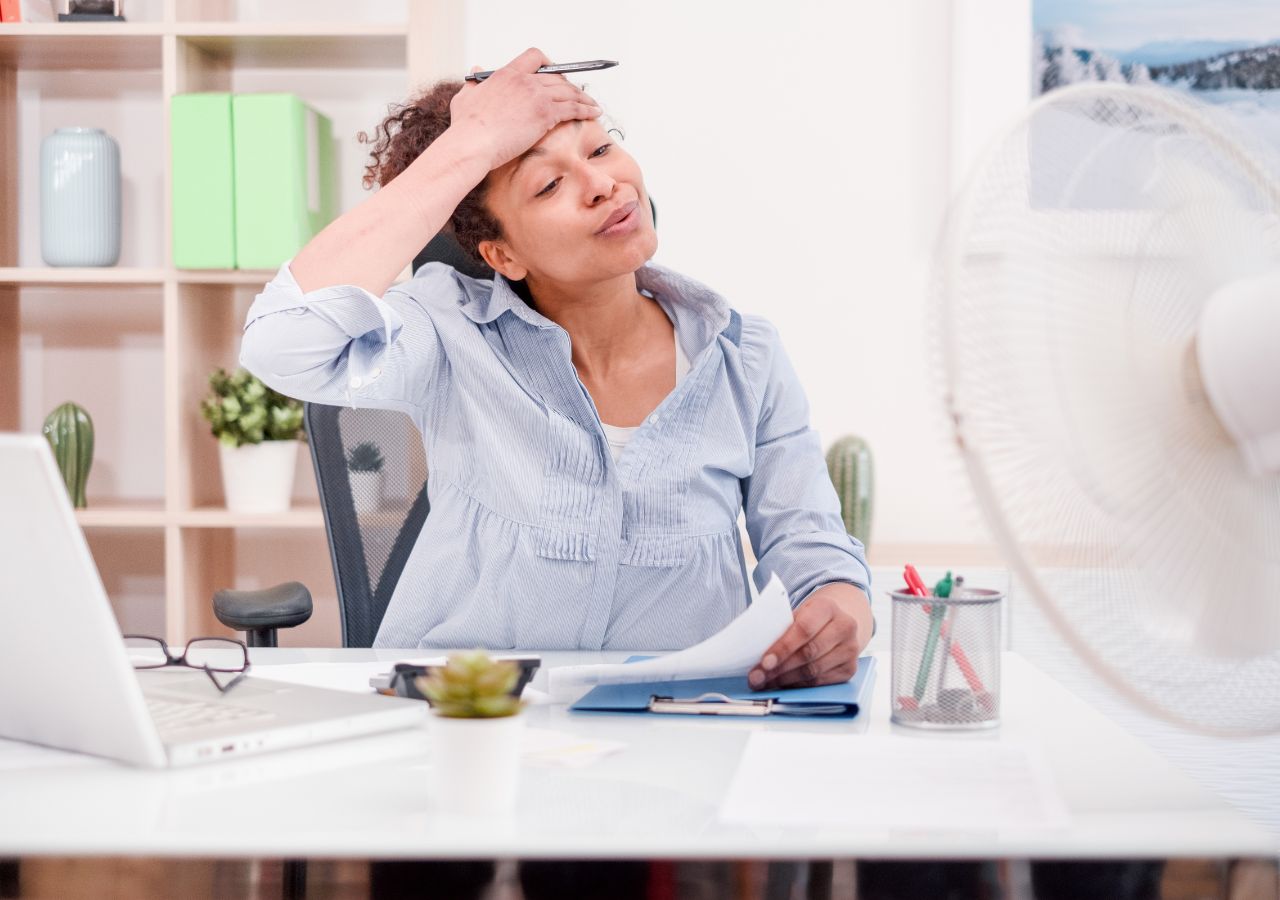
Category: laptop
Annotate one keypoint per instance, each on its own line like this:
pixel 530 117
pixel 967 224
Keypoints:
pixel 66 680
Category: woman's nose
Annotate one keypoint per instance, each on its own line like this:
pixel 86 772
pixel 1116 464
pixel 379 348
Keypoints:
pixel 600 184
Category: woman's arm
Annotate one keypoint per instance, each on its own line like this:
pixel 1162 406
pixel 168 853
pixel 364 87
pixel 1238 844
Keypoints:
pixel 793 518
pixel 490 123
pixel 327 329
pixel 370 245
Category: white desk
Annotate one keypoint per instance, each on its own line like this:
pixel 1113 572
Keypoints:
pixel 658 798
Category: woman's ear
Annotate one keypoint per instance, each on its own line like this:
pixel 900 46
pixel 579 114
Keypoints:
pixel 496 256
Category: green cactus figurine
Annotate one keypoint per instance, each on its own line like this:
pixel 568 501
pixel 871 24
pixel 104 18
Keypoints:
pixel 69 431
pixel 849 465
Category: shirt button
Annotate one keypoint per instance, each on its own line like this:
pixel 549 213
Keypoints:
pixel 356 382
pixel 653 420
pixel 375 373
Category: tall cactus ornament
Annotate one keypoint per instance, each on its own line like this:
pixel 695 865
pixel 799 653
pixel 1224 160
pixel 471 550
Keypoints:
pixel 69 431
pixel 849 465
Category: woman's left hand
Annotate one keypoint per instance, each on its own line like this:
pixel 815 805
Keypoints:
pixel 821 646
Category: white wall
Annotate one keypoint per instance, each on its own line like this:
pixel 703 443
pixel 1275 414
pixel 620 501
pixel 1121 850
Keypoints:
pixel 800 157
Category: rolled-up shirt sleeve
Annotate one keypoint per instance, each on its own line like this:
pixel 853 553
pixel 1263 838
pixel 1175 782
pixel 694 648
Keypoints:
pixel 791 509
pixel 342 345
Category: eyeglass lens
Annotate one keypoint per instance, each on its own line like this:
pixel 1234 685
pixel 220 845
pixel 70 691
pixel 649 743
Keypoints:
pixel 217 655
pixel 145 652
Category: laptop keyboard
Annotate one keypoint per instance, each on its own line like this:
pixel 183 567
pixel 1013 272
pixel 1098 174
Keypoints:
pixel 180 715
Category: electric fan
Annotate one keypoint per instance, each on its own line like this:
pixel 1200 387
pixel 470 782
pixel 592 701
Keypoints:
pixel 1107 321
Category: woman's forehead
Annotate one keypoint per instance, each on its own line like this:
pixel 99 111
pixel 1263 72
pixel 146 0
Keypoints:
pixel 570 131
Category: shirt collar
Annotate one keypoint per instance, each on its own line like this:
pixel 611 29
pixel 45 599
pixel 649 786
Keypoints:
pixel 700 312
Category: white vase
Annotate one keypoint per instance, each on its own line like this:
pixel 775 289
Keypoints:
pixel 475 764
pixel 79 198
pixel 366 491
pixel 258 478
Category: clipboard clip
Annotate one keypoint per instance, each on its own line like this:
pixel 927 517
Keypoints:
pixel 710 704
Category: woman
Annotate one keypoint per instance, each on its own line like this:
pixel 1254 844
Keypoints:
pixel 594 423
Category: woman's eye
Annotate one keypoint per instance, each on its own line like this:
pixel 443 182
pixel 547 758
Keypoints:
pixel 599 151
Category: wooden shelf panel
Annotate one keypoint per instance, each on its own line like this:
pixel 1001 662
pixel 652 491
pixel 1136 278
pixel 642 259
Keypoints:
pixel 301 46
pixel 105 275
pixel 123 515
pixel 139 45
pixel 215 517
pixel 224 276
pixel 81 46
pixel 147 515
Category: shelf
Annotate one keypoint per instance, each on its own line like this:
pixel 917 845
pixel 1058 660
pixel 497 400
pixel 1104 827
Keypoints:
pixel 81 45
pixel 139 45
pixel 32 275
pixel 122 516
pixel 225 276
pixel 253 277
pixel 134 343
pixel 217 517
pixel 301 45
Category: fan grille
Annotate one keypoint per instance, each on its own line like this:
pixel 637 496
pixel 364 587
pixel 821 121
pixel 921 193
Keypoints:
pixel 1069 288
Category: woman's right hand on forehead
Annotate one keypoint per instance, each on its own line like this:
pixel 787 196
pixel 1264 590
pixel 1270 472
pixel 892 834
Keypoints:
pixel 513 108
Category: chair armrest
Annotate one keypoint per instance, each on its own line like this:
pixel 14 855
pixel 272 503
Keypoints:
pixel 282 606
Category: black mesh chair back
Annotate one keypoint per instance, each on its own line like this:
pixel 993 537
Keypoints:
pixel 372 519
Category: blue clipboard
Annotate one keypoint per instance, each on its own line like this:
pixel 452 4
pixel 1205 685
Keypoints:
pixel 732 697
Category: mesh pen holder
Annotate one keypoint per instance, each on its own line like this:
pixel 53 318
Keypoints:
pixel 946 660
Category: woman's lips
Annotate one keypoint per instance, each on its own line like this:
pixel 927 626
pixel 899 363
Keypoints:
pixel 627 223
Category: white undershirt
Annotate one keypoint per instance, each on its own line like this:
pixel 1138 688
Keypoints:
pixel 619 437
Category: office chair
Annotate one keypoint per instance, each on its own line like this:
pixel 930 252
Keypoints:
pixel 368 550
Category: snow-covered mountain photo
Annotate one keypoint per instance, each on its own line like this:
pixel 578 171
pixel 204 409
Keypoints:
pixel 1225 53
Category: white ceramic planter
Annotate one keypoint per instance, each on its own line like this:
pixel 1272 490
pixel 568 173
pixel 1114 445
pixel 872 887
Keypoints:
pixel 475 764
pixel 366 491
pixel 258 478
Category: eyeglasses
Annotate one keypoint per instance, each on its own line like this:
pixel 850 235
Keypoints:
pixel 216 657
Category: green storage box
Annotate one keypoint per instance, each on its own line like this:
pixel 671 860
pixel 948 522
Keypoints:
pixel 284 177
pixel 204 222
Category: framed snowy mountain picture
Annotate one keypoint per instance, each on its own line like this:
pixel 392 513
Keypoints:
pixel 1225 53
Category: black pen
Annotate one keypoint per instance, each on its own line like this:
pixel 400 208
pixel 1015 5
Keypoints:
pixel 558 68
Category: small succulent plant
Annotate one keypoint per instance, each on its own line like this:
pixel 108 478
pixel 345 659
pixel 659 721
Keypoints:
pixel 242 410
pixel 472 685
pixel 365 457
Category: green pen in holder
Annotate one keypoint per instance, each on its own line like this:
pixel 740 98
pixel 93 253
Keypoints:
pixel 946 666
pixel 937 612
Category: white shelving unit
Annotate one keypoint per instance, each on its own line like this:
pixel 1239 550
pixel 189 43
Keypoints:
pixel 134 343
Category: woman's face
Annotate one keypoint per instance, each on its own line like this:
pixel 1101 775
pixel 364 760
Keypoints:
pixel 553 202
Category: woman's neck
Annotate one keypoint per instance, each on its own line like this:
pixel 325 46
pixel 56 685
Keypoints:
pixel 610 323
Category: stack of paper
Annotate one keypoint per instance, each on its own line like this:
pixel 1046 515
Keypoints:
pixel 733 650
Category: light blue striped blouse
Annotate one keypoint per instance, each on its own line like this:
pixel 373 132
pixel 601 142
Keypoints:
pixel 536 537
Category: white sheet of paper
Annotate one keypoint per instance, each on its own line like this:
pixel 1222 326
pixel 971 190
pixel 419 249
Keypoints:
pixel 858 782
pixel 731 651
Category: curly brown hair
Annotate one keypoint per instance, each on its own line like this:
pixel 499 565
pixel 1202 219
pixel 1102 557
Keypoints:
pixel 401 137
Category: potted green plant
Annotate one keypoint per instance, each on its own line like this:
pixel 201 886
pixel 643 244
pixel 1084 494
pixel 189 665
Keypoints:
pixel 475 733
pixel 364 473
pixel 258 432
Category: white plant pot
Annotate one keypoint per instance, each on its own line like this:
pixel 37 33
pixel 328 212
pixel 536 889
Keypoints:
pixel 258 478
pixel 366 491
pixel 476 764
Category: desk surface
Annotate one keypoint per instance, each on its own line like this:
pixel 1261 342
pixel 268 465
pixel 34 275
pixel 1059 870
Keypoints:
pixel 658 798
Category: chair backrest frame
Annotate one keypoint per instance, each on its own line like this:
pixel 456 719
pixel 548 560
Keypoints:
pixel 361 602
